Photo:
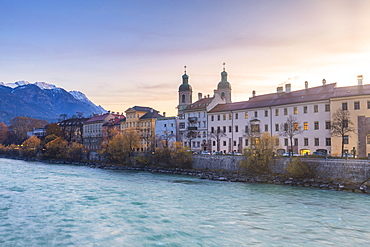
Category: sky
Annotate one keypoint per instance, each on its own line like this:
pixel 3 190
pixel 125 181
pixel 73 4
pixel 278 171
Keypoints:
pixel 126 53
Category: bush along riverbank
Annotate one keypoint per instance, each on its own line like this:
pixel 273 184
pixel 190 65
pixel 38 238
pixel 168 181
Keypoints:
pixel 218 175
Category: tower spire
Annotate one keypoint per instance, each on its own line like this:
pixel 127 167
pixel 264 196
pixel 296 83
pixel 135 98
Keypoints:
pixel 185 69
pixel 224 65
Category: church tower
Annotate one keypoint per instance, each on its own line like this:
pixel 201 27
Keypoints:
pixel 185 94
pixel 224 87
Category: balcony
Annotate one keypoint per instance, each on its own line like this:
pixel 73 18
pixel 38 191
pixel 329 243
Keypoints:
pixel 192 119
pixel 192 128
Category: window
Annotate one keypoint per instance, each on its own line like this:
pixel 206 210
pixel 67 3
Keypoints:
pixel 305 141
pixel 212 118
pixel 255 128
pixel 368 139
pixel 295 110
pixel 286 142
pixel 224 117
pixel 230 129
pixel 305 126
pixel 214 143
pixel 246 129
pixel 368 104
pixel 345 140
pixel 182 125
pixel 183 98
pixel 218 117
pixel 285 127
pixel 277 142
pixel 212 130
pixel 266 113
pixel 328 141
pixel 276 112
pixel 285 111
pixel 357 105
pixel 171 125
pixel 296 126
pixel 317 141
pixel 246 142
pixel 276 127
pixel 255 114
pixel 236 128
pixel 224 143
pixel 224 129
pixel 230 116
pixel 236 115
pixel 246 115
pixel 345 123
pixel 218 129
pixel 316 125
pixel 315 108
pixel 327 125
pixel 295 141
pixel 305 109
pixel 344 106
pixel 165 132
pixel 165 125
pixel 327 107
pixel 234 143
pixel 266 127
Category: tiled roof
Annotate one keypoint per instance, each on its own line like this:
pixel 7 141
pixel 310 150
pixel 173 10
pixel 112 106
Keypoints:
pixel 200 104
pixel 115 121
pixel 324 92
pixel 141 108
pixel 151 114
pixel 97 118
pixel 351 91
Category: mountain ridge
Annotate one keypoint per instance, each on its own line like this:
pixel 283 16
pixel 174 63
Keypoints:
pixel 43 101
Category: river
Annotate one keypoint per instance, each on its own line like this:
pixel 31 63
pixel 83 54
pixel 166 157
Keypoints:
pixel 65 205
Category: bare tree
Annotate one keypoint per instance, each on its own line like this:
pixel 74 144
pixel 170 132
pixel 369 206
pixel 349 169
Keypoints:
pixel 342 125
pixel 190 135
pixel 217 137
pixel 290 128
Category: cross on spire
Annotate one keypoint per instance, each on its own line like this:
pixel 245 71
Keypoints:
pixel 224 65
pixel 185 69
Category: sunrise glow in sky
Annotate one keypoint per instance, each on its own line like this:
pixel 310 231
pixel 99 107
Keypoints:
pixel 125 53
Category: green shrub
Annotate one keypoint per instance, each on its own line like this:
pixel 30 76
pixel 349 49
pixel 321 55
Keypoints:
pixel 296 168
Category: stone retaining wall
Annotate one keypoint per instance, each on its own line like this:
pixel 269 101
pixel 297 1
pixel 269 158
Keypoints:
pixel 356 171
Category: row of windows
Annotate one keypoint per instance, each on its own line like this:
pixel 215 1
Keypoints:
pixel 356 105
pixel 256 127
pixel 316 142
pixel 133 124
pixel 277 112
pixel 224 116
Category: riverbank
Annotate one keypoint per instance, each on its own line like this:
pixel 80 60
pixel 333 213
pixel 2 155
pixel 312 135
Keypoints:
pixel 221 175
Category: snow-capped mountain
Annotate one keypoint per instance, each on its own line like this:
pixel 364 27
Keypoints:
pixel 42 100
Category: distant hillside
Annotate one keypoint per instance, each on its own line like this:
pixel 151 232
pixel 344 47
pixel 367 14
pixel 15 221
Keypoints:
pixel 42 101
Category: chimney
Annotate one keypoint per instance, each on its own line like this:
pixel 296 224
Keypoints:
pixel 359 79
pixel 253 93
pixel 279 89
pixel 288 88
pixel 199 96
pixel 306 85
pixel 164 114
pixel 323 82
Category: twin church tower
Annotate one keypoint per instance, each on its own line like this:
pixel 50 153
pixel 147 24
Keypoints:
pixel 186 91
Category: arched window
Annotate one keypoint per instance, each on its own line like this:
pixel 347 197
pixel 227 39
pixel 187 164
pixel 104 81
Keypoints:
pixel 222 95
pixel 183 98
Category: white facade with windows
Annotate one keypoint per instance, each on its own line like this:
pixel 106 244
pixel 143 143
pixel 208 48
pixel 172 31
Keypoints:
pixel 167 130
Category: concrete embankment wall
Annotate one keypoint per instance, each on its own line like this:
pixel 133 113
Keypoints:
pixel 355 171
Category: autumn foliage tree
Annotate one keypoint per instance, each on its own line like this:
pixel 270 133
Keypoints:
pixel 259 157
pixel 20 125
pixel 30 147
pixel 56 149
pixel 120 148
pixel 4 132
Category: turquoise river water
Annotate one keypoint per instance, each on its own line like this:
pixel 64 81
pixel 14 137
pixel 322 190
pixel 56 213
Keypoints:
pixel 64 205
